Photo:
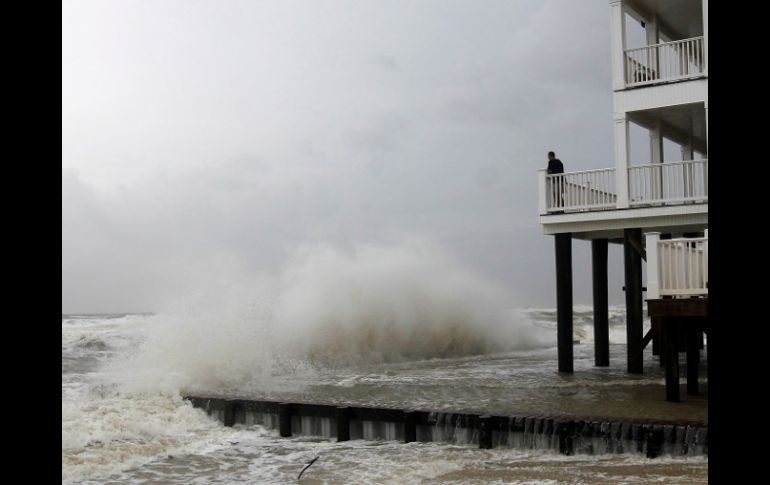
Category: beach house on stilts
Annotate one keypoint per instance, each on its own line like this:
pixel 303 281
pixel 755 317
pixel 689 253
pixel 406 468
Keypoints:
pixel 657 210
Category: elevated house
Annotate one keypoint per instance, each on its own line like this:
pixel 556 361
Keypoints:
pixel 658 210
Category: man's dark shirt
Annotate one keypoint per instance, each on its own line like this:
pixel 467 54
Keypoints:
pixel 555 166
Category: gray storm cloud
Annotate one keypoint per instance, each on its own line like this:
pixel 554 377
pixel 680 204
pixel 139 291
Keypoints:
pixel 205 141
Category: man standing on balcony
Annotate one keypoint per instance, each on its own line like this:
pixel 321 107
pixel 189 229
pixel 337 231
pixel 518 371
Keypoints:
pixel 555 166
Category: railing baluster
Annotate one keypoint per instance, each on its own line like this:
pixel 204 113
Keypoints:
pixel 566 194
pixel 696 267
pixel 647 183
pixel 553 191
pixel 684 59
pixel 695 57
pixel 661 265
pixel 674 263
pixel 548 191
pixel 678 60
pixel 685 189
pixel 696 61
pixel 633 185
pixel 581 190
pixel 678 267
pixel 683 56
pixel 672 59
pixel 672 67
pixel 700 57
pixel 662 60
pixel 578 191
pixel 692 258
pixel 676 184
pixel 556 190
pixel 603 187
pixel 672 276
pixel 668 266
pixel 671 272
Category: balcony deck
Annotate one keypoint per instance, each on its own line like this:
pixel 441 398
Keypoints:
pixel 665 62
pixel 672 194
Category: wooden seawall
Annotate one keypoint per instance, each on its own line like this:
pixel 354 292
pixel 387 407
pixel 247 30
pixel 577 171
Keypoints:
pixel 567 434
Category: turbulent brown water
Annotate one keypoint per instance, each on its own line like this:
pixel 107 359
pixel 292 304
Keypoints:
pixel 401 326
pixel 123 422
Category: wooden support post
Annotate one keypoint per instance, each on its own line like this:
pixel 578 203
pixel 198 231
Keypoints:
pixel 693 359
pixel 633 277
pixel 655 327
pixel 707 348
pixel 647 338
pixel 284 420
pixel 564 337
pixel 671 350
pixel 662 336
pixel 410 427
pixel 342 416
pixel 485 432
pixel 601 305
pixel 681 338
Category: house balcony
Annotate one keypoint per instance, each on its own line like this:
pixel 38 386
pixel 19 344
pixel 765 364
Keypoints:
pixel 677 268
pixel 658 42
pixel 665 62
pixel 654 185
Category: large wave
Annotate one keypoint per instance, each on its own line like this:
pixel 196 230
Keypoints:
pixel 329 307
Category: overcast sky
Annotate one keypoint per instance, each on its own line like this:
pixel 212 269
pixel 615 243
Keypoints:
pixel 200 136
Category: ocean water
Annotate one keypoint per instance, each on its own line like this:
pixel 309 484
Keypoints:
pixel 124 421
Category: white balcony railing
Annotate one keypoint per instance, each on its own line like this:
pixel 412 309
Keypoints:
pixel 677 267
pixel 592 189
pixel 656 184
pixel 667 183
pixel 669 61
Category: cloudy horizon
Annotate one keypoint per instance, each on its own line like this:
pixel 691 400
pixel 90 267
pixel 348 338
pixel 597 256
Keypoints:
pixel 205 142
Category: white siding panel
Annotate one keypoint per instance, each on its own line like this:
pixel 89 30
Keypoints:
pixel 662 219
pixel 662 95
